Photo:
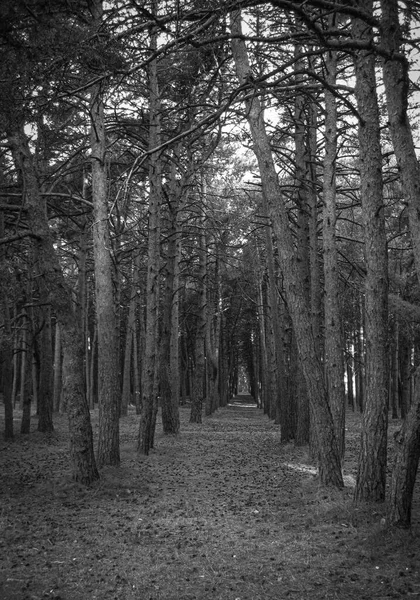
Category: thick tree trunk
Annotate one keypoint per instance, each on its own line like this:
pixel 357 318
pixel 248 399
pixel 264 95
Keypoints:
pixel 81 439
pixel 6 343
pixel 169 363
pixel 6 365
pixel 108 366
pixel 396 81
pixel 371 476
pixel 328 455
pixel 334 360
pixel 404 469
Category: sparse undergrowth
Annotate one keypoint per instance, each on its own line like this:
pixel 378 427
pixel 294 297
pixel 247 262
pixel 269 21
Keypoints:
pixel 223 511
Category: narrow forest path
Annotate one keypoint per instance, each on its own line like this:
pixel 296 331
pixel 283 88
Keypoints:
pixel 221 512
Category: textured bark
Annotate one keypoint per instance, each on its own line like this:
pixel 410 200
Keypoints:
pixel 198 388
pixel 334 343
pixel 81 439
pixel 45 396
pixel 371 476
pixel 128 354
pixel 170 360
pixel 108 375
pixel 396 81
pixel 58 369
pixel 404 469
pixel 150 362
pixel 328 455
pixel 6 364
pixel 6 343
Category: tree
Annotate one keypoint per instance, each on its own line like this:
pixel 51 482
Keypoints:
pixel 108 372
pixel 334 364
pixel 328 456
pixel 151 357
pixel 371 476
pixel 396 81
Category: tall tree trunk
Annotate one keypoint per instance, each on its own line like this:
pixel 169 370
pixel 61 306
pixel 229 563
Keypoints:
pixel 58 369
pixel 108 371
pixel 128 379
pixel 328 455
pixel 334 360
pixel 197 392
pixel 371 476
pixel 396 81
pixel 6 343
pixel 150 363
pixel 81 439
pixel 169 364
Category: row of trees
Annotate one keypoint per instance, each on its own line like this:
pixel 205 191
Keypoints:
pixel 188 191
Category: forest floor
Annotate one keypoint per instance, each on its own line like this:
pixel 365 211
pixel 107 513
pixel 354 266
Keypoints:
pixel 221 512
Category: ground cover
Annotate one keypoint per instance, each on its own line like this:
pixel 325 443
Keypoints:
pixel 221 512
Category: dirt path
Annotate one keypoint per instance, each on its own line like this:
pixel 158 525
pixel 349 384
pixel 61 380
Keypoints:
pixel 221 512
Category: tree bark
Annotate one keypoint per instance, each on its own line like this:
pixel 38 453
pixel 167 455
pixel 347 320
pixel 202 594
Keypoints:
pixel 197 392
pixel 108 371
pixel 58 369
pixel 81 439
pixel 150 363
pixel 6 343
pixel 334 360
pixel 396 81
pixel 371 476
pixel 328 455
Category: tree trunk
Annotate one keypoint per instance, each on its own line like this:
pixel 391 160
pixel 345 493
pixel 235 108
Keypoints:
pixel 150 362
pixel 58 369
pixel 81 439
pixel 404 469
pixel 328 456
pixel 169 364
pixel 6 343
pixel 25 426
pixel 128 353
pixel 396 81
pixel 198 387
pixel 371 476
pixel 334 361
pixel 45 402
pixel 108 371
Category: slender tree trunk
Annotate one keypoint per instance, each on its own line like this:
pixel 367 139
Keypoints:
pixel 58 369
pixel 25 426
pixel 24 347
pixel 328 455
pixel 128 353
pixel 198 387
pixel 371 476
pixel 334 360
pixel 45 403
pixel 150 363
